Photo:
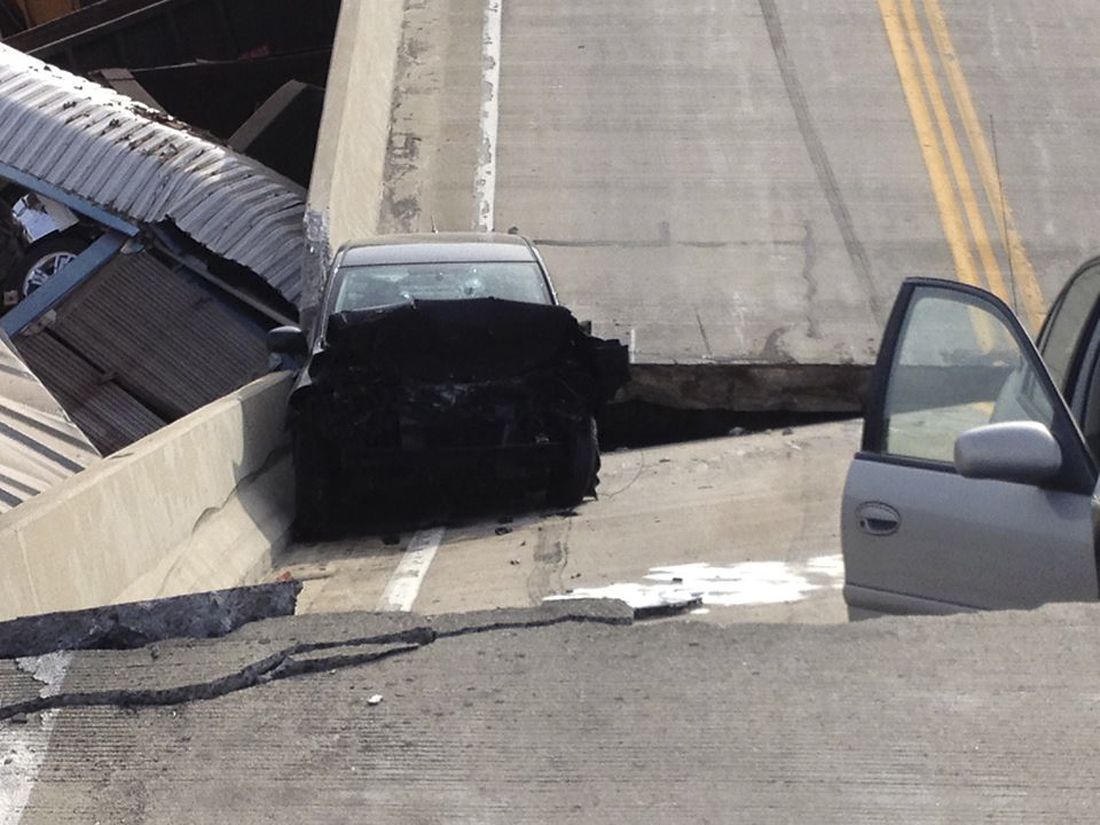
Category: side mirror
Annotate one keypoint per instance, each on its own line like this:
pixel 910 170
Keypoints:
pixel 1023 452
pixel 586 327
pixel 288 341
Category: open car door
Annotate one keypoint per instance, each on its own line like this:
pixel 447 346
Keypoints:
pixel 973 488
pixel 1070 345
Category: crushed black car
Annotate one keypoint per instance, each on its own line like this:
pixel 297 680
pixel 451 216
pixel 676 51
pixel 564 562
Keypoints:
pixel 444 356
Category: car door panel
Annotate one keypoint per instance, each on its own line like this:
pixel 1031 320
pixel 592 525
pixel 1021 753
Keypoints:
pixel 872 603
pixel 955 358
pixel 968 543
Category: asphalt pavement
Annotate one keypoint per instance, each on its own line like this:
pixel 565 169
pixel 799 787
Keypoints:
pixel 749 523
pixel 504 718
pixel 748 182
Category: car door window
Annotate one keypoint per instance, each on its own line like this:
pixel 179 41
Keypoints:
pixel 1062 340
pixel 957 365
pixel 1090 419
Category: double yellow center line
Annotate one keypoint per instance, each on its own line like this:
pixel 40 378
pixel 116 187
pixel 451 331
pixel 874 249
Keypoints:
pixel 964 222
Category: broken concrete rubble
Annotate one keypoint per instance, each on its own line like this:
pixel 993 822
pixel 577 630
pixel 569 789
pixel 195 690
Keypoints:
pixel 647 604
pixel 125 626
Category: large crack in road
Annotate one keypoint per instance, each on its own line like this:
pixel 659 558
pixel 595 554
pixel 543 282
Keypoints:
pixel 294 661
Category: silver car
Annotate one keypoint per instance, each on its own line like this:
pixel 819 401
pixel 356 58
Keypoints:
pixel 975 486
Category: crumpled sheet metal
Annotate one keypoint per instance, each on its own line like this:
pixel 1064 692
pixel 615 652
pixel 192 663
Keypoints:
pixel 116 153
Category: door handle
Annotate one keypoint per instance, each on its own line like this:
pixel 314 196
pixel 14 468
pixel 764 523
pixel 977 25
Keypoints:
pixel 878 519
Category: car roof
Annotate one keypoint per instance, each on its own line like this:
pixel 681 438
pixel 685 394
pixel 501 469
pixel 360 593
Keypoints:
pixel 453 247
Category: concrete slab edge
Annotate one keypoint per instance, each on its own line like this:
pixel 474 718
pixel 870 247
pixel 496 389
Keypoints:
pixel 133 625
pixel 745 387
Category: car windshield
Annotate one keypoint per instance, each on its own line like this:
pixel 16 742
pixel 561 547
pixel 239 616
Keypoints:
pixel 364 287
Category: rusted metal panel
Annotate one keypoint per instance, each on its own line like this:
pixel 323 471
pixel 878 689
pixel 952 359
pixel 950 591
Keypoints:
pixel 109 150
pixel 37 12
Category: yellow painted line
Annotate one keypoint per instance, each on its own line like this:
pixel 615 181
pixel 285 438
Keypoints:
pixel 1030 293
pixel 954 228
pixel 973 211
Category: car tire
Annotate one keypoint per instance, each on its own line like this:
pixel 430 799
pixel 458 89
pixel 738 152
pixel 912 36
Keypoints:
pixel 40 262
pixel 578 473
pixel 314 505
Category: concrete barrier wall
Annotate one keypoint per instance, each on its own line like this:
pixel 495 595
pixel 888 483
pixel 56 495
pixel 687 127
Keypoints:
pixel 199 505
pixel 345 195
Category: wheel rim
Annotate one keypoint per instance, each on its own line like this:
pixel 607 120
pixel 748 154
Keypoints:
pixel 45 268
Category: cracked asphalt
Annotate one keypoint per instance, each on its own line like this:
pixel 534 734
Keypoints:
pixel 587 719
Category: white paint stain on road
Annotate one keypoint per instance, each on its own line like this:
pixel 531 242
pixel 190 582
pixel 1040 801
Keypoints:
pixel 744 584
pixel 23 746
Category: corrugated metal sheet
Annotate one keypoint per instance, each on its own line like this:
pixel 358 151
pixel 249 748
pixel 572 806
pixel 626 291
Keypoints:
pixel 141 344
pixel 110 416
pixel 39 443
pixel 107 149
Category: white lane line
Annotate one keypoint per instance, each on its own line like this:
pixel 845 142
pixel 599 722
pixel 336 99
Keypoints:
pixel 23 747
pixel 485 184
pixel 404 584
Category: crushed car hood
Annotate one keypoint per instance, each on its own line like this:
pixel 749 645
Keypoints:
pixel 467 341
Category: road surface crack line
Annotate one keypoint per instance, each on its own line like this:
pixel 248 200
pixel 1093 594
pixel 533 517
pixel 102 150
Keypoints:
pixel 809 258
pixel 703 334
pixel 660 243
pixel 283 665
pixel 819 158
pixel 637 474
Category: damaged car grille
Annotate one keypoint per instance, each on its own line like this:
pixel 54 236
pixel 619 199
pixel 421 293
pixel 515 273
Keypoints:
pixel 437 375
